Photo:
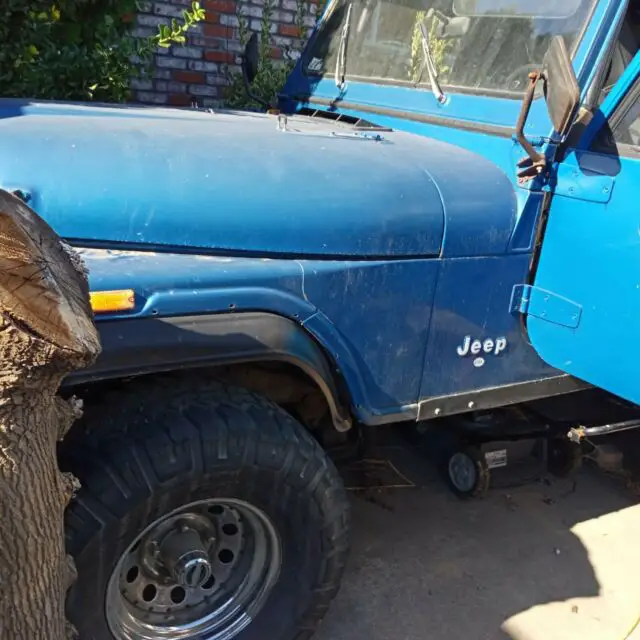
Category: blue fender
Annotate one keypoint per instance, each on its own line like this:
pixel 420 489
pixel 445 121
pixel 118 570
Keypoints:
pixel 139 346
pixel 193 311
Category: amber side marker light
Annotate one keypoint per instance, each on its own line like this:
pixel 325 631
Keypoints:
pixel 110 301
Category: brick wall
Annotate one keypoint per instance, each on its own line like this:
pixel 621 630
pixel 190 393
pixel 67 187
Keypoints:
pixel 200 69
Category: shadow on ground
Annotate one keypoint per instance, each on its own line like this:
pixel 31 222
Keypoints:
pixel 539 561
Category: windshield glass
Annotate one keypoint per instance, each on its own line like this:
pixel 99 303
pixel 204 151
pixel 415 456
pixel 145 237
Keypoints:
pixel 479 46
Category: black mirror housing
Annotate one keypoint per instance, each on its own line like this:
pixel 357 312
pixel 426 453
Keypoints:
pixel 250 66
pixel 250 60
pixel 562 91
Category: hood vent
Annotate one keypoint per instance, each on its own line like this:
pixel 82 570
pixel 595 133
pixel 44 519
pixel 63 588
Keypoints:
pixel 357 123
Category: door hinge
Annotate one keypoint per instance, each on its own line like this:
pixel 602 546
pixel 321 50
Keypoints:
pixel 582 182
pixel 538 303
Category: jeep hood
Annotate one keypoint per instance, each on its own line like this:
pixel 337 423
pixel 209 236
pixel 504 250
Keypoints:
pixel 234 182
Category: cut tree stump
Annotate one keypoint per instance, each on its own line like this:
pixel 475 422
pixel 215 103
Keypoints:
pixel 46 332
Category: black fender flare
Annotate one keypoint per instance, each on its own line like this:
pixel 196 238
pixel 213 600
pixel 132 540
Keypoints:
pixel 139 346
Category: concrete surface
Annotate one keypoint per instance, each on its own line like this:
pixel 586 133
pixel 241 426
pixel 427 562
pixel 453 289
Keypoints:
pixel 538 561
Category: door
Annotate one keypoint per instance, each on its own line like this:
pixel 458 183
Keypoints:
pixel 583 310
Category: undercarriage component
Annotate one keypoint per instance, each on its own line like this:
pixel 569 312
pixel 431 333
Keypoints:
pixel 467 473
pixel 564 457
pixel 577 434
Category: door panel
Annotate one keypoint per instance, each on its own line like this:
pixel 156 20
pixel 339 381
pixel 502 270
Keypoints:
pixel 591 257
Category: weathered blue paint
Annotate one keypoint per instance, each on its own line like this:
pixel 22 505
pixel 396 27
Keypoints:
pixel 169 284
pixel 382 311
pixel 198 197
pixel 371 317
pixel 398 253
pixel 591 256
pixel 547 305
pixel 473 299
pixel 345 196
pixel 582 180
pixel 482 289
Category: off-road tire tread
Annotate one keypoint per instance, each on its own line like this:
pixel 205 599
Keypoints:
pixel 127 425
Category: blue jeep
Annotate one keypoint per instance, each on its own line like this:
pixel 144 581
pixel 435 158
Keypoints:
pixel 438 220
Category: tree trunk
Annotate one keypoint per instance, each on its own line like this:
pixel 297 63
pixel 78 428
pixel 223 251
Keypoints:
pixel 46 331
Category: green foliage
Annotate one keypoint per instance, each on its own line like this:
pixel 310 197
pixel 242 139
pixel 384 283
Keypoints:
pixel 176 32
pixel 272 74
pixel 78 49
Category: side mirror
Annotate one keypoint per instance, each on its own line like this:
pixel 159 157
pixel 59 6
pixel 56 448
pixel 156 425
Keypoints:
pixel 562 94
pixel 561 88
pixel 250 64
pixel 250 60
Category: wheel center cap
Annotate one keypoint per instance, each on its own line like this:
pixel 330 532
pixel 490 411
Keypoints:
pixel 193 573
pixel 185 556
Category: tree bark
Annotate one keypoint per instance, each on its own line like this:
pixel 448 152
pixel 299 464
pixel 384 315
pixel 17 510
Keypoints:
pixel 46 331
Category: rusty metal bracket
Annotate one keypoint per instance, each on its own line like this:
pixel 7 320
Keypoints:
pixel 578 434
pixel 535 163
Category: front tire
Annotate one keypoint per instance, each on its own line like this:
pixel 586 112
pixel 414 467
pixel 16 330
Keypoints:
pixel 207 471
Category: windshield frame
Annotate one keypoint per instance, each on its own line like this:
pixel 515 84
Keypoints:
pixel 425 85
pixel 417 111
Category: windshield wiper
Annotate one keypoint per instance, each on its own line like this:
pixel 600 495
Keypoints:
pixel 341 62
pixel 430 65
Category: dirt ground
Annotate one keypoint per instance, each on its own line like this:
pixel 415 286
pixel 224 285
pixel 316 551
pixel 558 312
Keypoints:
pixel 537 559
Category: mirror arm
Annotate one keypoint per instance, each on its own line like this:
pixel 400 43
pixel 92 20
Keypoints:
pixel 247 88
pixel 533 165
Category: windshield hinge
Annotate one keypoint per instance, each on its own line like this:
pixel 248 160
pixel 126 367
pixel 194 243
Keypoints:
pixel 538 303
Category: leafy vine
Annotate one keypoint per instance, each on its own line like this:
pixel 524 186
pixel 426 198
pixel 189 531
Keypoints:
pixel 79 49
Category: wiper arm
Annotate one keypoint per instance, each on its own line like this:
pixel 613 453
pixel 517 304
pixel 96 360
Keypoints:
pixel 341 62
pixel 430 65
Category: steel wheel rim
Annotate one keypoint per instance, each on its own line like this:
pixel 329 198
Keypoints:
pixel 462 472
pixel 164 586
